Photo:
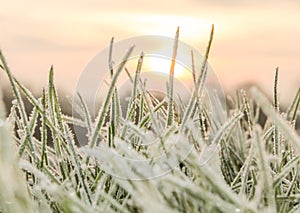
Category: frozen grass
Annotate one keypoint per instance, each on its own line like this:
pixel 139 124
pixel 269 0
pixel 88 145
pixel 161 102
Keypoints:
pixel 255 168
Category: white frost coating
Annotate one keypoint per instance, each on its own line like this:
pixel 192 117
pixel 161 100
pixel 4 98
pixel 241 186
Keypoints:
pixel 1 122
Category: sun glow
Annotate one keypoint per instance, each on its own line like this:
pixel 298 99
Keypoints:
pixel 168 24
pixel 162 65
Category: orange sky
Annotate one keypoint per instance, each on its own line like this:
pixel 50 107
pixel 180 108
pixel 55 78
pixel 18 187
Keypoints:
pixel 251 37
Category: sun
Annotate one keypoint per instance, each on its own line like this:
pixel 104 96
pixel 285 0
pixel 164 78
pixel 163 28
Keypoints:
pixel 162 65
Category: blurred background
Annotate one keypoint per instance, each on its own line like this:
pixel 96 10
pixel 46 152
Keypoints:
pixel 251 38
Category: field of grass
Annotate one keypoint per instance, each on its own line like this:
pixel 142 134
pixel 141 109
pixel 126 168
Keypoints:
pixel 255 167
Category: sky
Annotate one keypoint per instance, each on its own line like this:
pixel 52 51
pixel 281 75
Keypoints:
pixel 251 38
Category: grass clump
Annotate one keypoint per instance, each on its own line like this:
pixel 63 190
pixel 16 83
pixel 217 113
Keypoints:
pixel 255 167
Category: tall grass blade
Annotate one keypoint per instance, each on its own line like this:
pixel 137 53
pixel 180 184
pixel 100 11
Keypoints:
pixel 171 81
pixel 285 128
pixel 103 111
pixel 276 107
pixel 28 137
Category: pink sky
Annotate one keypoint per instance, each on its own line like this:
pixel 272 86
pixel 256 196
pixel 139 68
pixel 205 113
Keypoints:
pixel 251 38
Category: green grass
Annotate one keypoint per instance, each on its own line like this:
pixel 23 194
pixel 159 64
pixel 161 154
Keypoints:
pixel 255 168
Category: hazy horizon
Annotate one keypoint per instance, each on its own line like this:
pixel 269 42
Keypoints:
pixel 251 38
